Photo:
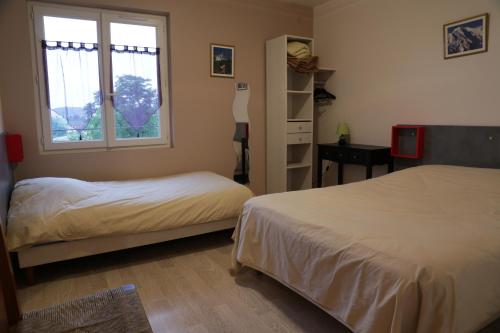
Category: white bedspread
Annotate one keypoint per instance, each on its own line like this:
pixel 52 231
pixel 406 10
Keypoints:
pixel 414 251
pixel 44 210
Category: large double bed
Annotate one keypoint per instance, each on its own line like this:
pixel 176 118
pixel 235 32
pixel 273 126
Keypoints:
pixel 414 251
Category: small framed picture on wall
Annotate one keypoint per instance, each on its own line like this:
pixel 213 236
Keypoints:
pixel 222 60
pixel 466 37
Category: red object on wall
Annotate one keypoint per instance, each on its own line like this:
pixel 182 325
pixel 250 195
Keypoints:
pixel 417 131
pixel 14 143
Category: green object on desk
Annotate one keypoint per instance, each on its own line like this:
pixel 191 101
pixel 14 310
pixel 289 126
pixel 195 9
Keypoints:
pixel 343 133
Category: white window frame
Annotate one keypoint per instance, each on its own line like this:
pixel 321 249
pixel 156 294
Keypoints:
pixel 103 19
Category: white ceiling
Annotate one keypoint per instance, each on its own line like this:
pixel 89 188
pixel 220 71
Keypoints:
pixel 308 3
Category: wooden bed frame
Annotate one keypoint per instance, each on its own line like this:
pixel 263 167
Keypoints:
pixel 59 251
pixel 31 257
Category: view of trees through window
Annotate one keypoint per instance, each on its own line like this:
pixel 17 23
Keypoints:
pixel 87 99
pixel 136 104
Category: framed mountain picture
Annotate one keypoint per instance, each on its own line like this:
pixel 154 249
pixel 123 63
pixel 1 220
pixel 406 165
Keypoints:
pixel 222 59
pixel 466 37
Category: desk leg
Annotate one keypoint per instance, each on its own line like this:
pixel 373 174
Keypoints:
pixel 340 176
pixel 390 165
pixel 369 171
pixel 319 174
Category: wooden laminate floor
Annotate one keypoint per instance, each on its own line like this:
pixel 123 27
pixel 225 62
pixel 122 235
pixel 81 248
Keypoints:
pixel 185 286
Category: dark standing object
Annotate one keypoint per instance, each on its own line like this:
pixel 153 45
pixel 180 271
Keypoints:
pixel 353 154
pixel 9 308
pixel 242 135
pixel 8 289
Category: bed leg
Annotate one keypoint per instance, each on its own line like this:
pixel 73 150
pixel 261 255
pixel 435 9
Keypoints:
pixel 29 275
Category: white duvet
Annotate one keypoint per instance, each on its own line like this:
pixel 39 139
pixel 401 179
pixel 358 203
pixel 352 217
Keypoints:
pixel 414 251
pixel 45 210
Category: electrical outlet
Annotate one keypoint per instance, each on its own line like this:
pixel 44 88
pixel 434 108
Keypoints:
pixel 241 86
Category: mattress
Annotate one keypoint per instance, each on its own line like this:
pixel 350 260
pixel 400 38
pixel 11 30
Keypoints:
pixel 45 210
pixel 413 251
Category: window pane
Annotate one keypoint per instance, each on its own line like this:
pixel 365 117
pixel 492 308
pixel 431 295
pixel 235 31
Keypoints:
pixel 72 77
pixel 133 34
pixel 65 29
pixel 135 75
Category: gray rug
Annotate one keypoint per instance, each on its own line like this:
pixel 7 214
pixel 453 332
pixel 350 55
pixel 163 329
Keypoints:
pixel 115 310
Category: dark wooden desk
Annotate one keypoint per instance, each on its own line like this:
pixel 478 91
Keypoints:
pixel 353 154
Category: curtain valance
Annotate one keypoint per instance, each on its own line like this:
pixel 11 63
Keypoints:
pixel 76 46
pixel 135 49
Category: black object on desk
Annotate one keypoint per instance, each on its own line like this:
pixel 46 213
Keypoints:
pixel 353 154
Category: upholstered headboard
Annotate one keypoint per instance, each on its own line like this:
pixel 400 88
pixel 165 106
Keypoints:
pixel 6 181
pixel 473 146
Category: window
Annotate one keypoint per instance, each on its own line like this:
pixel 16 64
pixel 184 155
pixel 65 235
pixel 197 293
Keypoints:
pixel 102 77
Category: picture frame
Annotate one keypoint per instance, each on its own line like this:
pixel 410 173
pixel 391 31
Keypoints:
pixel 466 36
pixel 222 60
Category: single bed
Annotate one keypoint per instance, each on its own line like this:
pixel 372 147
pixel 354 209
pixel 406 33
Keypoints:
pixel 53 219
pixel 413 251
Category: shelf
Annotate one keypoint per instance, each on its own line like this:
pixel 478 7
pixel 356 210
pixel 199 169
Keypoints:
pixel 300 105
pixel 299 81
pixel 298 165
pixel 299 179
pixel 326 70
pixel 299 92
pixel 299 157
pixel 322 76
pixel 293 120
pixel 292 38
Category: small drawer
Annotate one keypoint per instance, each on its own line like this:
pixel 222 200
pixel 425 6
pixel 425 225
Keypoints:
pixel 299 127
pixel 299 138
pixel 331 155
pixel 327 155
pixel 357 157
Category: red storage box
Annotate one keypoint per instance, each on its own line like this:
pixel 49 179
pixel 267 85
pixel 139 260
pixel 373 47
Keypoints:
pixel 413 148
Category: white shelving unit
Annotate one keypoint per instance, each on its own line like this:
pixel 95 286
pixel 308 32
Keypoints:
pixel 290 114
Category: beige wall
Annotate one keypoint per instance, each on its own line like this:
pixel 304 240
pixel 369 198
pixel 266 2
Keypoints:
pixel 390 67
pixel 201 111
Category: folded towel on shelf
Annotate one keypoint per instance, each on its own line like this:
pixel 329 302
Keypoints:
pixel 298 50
pixel 306 65
pixel 302 54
